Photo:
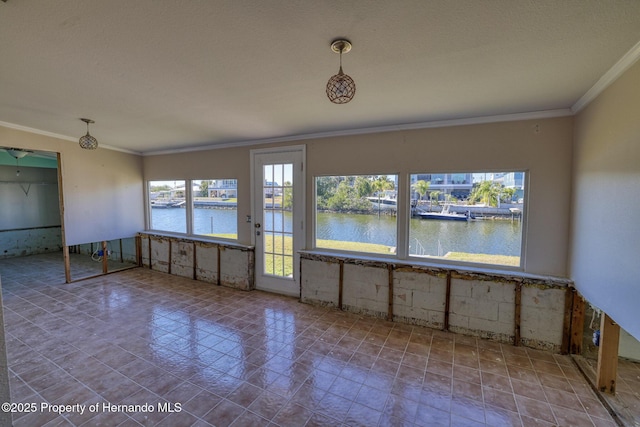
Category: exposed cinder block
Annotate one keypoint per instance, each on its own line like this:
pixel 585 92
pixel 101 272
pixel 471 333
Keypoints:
pixel 483 307
pixel 30 242
pixel 320 282
pixel 366 289
pixel 492 291
pixel 207 262
pixel 419 297
pixel 460 321
pixel 507 313
pixel 542 316
pixel 160 254
pixel 236 265
pixel 144 250
pixel 182 259
pixel 178 255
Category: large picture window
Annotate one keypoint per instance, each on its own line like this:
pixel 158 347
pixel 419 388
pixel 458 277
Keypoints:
pixel 215 211
pixel 167 202
pixel 461 217
pixel 202 207
pixel 471 217
pixel 357 213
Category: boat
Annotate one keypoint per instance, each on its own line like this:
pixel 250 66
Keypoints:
pixel 167 204
pixel 444 214
pixel 386 202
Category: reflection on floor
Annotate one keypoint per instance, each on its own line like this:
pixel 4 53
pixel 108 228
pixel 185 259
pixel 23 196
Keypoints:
pixel 85 265
pixel 216 356
pixel 626 402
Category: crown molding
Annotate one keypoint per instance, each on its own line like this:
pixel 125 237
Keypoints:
pixel 63 137
pixel 607 78
pixel 545 114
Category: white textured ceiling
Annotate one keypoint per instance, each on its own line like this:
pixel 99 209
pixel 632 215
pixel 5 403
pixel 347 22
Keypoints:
pixel 168 74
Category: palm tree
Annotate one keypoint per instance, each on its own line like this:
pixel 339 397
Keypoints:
pixel 507 194
pixel 381 184
pixel 421 187
pixel 434 195
pixel 204 188
pixel 487 192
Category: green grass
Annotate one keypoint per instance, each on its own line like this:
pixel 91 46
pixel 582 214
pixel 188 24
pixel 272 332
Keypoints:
pixel 274 263
pixel 354 246
pixel 279 265
pixel 484 258
pixel 232 236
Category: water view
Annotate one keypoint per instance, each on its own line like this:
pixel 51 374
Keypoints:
pixel 426 237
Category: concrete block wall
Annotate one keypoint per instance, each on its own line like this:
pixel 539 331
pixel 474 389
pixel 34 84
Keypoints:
pixel 206 263
pixel 319 282
pixel 30 241
pixel 484 308
pixel 199 260
pixel 479 304
pixel 366 289
pixel 542 315
pixel 419 298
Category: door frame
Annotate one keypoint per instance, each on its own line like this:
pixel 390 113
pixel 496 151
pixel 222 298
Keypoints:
pixel 299 202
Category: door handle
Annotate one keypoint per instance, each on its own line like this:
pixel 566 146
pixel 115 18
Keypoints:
pixel 257 225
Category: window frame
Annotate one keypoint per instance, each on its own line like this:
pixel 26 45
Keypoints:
pixel 400 201
pixel 189 211
pixel 403 218
pixel 149 209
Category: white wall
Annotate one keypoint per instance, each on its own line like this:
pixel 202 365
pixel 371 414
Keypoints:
pixel 605 248
pixel 102 189
pixel 543 148
pixel 24 205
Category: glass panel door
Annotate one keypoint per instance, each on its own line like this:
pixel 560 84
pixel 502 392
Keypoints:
pixel 278 220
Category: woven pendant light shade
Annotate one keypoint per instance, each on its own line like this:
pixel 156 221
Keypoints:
pixel 87 141
pixel 341 88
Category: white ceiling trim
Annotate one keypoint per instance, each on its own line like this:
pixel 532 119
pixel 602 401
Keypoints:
pixel 363 131
pixel 63 137
pixel 607 78
pixel 36 131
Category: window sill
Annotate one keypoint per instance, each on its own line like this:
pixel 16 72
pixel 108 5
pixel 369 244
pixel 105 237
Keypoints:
pixel 185 237
pixel 467 269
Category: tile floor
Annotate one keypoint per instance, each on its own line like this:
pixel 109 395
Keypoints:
pixel 228 357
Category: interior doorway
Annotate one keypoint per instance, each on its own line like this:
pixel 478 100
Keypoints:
pixel 30 203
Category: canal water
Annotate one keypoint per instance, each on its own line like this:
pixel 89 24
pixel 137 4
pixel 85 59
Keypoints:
pixel 426 237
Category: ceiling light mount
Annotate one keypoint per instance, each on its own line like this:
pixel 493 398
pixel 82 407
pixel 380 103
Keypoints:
pixel 18 153
pixel 341 88
pixel 87 141
pixel 341 46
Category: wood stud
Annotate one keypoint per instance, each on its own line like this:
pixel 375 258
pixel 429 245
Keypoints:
pixel 447 303
pixel 390 309
pixel 607 371
pixel 517 314
pixel 340 284
pixel 577 323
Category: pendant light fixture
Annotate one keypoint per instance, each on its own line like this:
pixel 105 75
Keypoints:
pixel 87 141
pixel 341 88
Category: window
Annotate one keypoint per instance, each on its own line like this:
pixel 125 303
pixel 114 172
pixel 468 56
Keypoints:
pixel 215 211
pixel 277 218
pixel 203 207
pixel 167 200
pixel 357 213
pixel 463 217
pixel 474 217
